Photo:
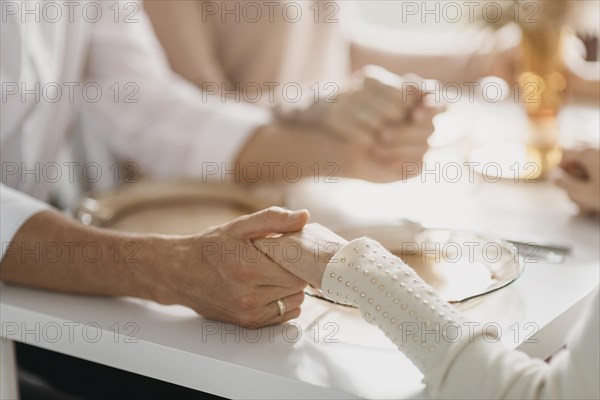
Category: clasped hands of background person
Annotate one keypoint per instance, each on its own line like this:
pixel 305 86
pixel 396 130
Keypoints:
pixel 386 116
pixel 385 109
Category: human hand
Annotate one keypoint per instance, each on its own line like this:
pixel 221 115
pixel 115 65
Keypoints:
pixel 580 178
pixel 318 154
pixel 223 276
pixel 379 100
pixel 305 253
pixel 581 66
pixel 406 143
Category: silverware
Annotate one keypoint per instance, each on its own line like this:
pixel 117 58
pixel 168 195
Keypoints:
pixel 532 247
pixel 548 247
pixel 529 252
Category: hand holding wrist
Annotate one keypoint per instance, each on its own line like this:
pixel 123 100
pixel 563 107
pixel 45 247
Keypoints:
pixel 305 253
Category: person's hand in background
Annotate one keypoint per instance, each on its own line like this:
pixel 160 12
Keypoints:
pixel 383 121
pixel 579 176
pixel 362 113
pixel 381 109
pixel 581 65
pixel 305 253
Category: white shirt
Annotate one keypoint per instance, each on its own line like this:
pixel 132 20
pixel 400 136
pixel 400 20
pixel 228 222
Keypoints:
pixel 456 360
pixel 99 67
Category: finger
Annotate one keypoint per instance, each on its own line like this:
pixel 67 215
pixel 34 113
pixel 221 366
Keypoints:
pixel 406 89
pixel 270 293
pixel 374 74
pixel 311 250
pixel 581 201
pixel 579 153
pixel 271 314
pixel 416 89
pixel 570 157
pixel 269 221
pixel 363 110
pixel 344 128
pixel 573 187
pixel 289 303
pixel 580 192
pixel 402 141
pixel 366 118
pixel 435 102
pixel 405 158
pixel 388 109
pixel 292 314
pixel 415 132
pixel 385 92
pixel 267 271
pixel 575 169
pixel 340 121
pixel 581 162
pixel 424 114
pixel 396 104
pixel 407 136
pixel 409 91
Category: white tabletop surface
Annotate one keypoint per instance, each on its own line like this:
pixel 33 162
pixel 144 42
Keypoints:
pixel 330 352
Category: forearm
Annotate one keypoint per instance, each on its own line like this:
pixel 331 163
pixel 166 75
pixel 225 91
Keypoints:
pixel 52 252
pixel 287 153
pixel 186 39
pixel 457 67
pixel 197 271
pixel 452 58
pixel 457 358
pixel 284 151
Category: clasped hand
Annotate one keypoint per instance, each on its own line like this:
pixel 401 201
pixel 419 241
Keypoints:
pixel 245 270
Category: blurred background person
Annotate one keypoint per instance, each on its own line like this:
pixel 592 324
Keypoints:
pixel 263 60
pixel 579 176
pixel 144 113
pixel 209 41
pixel 324 46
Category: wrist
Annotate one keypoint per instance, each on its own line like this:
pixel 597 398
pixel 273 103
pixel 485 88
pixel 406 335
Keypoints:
pixel 310 115
pixel 156 269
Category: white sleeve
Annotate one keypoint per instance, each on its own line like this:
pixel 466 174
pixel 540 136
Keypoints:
pixel 457 360
pixel 158 120
pixel 15 209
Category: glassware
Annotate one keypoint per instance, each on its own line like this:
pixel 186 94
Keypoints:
pixel 542 85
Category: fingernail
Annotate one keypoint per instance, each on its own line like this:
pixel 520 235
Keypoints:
pixel 296 214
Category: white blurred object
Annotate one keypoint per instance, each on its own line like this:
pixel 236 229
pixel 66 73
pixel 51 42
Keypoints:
pixel 8 371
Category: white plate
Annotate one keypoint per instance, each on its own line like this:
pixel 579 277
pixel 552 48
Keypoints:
pixel 460 265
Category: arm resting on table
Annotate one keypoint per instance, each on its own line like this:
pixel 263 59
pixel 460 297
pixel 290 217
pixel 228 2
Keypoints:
pixel 468 364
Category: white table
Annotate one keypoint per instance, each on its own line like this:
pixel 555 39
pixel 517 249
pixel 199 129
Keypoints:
pixel 173 344
pixel 341 356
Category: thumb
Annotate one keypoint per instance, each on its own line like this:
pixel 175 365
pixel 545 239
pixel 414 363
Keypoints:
pixel 269 221
pixel 571 185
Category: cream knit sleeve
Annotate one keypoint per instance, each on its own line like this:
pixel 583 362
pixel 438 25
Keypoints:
pixel 456 358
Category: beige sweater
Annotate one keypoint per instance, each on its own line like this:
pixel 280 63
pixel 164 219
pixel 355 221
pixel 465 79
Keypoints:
pixel 219 42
